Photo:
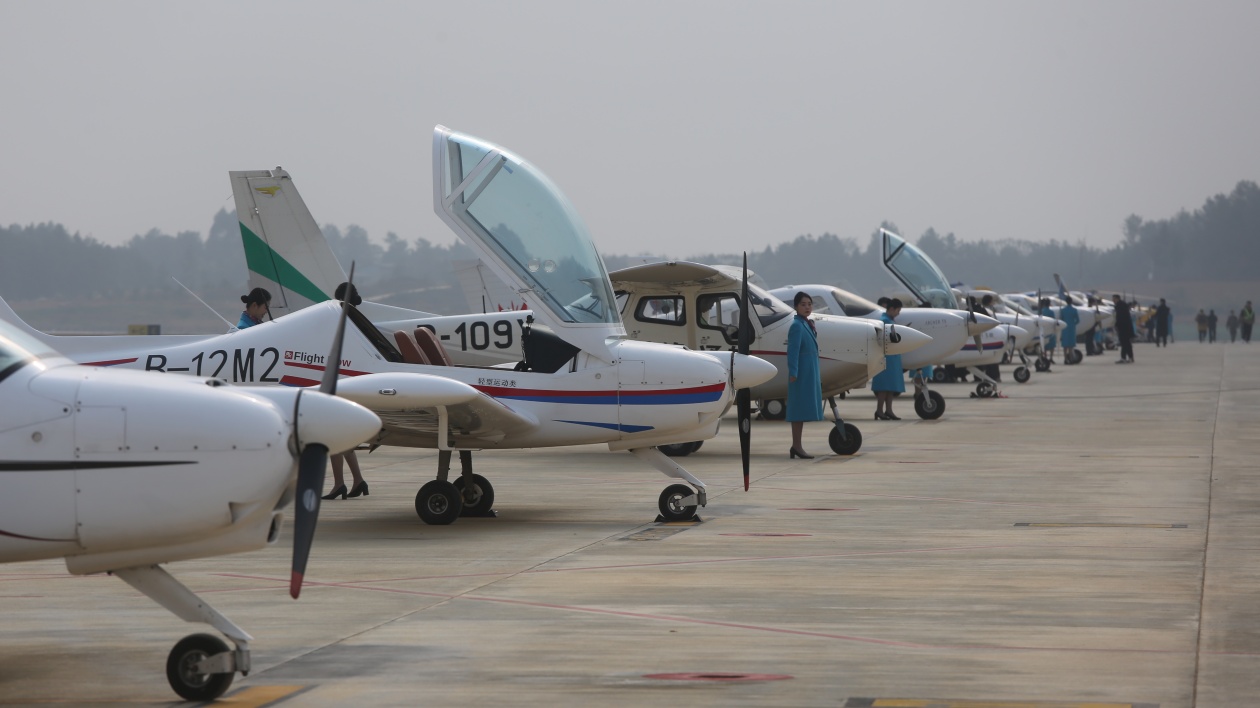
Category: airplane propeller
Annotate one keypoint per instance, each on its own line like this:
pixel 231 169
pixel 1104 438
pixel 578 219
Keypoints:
pixel 312 465
pixel 743 396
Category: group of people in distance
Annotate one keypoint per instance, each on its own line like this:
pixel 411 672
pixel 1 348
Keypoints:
pixel 258 305
pixel 1244 320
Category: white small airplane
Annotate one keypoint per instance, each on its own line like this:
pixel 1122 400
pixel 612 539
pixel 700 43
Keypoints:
pixel 580 381
pixel 916 271
pixel 120 471
pixel 698 306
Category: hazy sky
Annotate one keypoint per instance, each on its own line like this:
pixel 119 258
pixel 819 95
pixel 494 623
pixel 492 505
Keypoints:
pixel 674 127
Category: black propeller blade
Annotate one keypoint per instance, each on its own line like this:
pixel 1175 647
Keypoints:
pixel 743 397
pixel 312 465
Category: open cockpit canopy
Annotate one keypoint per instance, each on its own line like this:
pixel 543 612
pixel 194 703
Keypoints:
pixel 522 223
pixel 917 272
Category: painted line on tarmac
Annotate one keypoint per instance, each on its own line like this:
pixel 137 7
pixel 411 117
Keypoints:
pixel 259 696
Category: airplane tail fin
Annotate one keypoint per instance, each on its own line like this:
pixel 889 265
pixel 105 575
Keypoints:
pixel 8 315
pixel 484 290
pixel 285 251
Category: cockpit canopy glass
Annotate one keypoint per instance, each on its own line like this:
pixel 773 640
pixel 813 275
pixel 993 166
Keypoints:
pixel 18 348
pixel 854 305
pixel 520 215
pixel 917 272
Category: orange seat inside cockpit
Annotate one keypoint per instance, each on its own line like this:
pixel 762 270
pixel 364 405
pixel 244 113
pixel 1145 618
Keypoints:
pixel 431 347
pixel 407 347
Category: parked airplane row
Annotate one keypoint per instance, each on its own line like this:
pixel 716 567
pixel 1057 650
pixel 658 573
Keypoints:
pixel 644 359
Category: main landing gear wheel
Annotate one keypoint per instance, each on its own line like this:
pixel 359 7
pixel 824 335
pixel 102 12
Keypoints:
pixel 1041 365
pixel 671 506
pixel 1022 374
pixel 182 673
pixel 680 449
pixel 1077 356
pixel 939 374
pixel 984 389
pixel 439 503
pixel 849 444
pixel 774 409
pixel 477 501
pixel 930 406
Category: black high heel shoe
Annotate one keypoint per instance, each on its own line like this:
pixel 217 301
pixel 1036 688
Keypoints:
pixel 793 453
pixel 338 491
pixel 890 416
pixel 881 416
pixel 359 489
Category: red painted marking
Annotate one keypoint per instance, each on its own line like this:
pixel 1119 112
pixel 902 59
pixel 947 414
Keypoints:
pixel 765 534
pixel 287 380
pixel 718 677
pixel 317 367
pixel 509 391
pixel 112 362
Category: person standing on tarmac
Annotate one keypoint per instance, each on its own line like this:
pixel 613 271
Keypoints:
pixel 1247 318
pixel 1072 319
pixel 1124 329
pixel 1161 323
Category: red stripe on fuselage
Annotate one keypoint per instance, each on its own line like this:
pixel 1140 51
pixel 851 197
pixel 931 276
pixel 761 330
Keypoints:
pixel 317 367
pixel 112 362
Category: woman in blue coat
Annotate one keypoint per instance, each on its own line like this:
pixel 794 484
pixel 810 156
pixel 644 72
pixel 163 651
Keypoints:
pixel 804 398
pixel 892 379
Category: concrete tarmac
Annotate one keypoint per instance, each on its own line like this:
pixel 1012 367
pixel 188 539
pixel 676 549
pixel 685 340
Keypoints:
pixel 1091 540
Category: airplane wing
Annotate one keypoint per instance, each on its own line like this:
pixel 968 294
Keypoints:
pixel 411 406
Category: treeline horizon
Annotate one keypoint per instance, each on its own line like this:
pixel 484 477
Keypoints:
pixel 1220 241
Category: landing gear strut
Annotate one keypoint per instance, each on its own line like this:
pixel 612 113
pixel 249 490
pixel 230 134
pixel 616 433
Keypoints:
pixel 678 502
pixel 845 438
pixel 201 667
pixel 441 501
pixel 928 404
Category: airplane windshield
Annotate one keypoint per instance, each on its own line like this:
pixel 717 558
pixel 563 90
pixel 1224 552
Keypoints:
pixel 917 272
pixel 18 349
pixel 531 228
pixel 855 305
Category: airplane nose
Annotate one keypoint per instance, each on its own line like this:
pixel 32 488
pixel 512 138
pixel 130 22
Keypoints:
pixel 333 422
pixel 751 371
pixel 1021 336
pixel 980 324
pixel 906 339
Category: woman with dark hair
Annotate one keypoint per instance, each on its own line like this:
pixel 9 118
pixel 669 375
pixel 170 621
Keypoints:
pixel 804 397
pixel 257 303
pixel 892 379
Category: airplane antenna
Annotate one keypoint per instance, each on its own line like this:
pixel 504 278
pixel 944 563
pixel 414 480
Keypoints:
pixel 216 314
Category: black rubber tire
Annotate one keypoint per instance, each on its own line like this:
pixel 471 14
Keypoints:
pixel 679 449
pixel 1077 356
pixel 774 409
pixel 984 389
pixel 1022 374
pixel 1041 365
pixel 187 683
pixel 939 374
pixel 929 407
pixel 439 503
pixel 482 497
pixel 671 509
pixel 850 444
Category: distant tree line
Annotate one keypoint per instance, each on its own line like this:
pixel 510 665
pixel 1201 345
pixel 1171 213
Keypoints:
pixel 1219 241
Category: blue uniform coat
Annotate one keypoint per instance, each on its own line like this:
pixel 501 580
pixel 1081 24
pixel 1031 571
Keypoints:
pixel 892 378
pixel 1068 314
pixel 804 399
pixel 1052 340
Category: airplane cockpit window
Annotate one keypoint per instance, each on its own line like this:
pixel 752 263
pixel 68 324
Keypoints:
pixel 667 310
pixel 917 272
pixel 721 311
pixel 518 213
pixel 17 349
pixel 854 305
pixel 379 341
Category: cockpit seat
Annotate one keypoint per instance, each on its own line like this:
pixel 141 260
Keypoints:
pixel 411 353
pixel 431 347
